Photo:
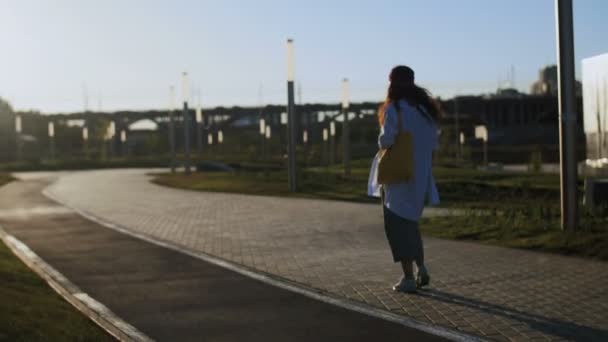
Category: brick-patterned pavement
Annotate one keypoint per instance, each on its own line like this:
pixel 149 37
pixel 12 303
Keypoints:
pixel 340 248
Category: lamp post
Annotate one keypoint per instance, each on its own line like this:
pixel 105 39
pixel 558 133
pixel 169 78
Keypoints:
pixel 85 141
pixel 268 135
pixel 332 142
pixel 220 141
pixel 481 132
pixel 110 137
pixel 291 120
pixel 172 127
pixel 461 141
pixel 567 114
pixel 457 122
pixel 123 143
pixel 51 130
pixel 345 127
pixel 325 152
pixel 186 119
pixel 18 136
pixel 199 124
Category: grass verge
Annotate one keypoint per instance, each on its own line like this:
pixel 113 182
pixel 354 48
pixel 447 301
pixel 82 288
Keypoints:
pixel 524 230
pixel 31 311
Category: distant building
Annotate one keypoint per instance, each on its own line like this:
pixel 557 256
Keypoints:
pixel 547 83
pixel 517 124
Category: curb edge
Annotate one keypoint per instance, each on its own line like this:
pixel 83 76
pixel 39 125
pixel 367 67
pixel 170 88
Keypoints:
pixel 92 309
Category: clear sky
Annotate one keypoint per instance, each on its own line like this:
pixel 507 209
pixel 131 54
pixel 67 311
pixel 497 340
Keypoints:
pixel 128 52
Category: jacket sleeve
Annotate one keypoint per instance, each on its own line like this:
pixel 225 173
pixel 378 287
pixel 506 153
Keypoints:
pixel 388 131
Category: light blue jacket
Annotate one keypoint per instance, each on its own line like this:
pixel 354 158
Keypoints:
pixel 408 199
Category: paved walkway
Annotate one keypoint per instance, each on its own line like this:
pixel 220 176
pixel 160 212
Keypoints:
pixel 340 248
pixel 171 296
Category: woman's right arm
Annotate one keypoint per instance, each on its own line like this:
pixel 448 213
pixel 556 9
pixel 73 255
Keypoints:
pixel 388 131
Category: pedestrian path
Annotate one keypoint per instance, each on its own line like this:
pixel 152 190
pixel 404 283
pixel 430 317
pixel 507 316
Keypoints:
pixel 171 296
pixel 340 249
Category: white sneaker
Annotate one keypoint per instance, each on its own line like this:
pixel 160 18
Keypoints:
pixel 422 278
pixel 405 285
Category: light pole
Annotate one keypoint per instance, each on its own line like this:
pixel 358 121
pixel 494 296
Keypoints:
pixel 481 132
pixel 18 128
pixel 461 141
pixel 123 143
pixel 325 152
pixel 110 133
pixel 186 119
pixel 268 135
pixel 291 120
pixel 262 135
pixel 332 142
pixel 172 127
pixel 52 139
pixel 199 124
pixel 345 128
pixel 567 114
pixel 85 141
pixel 457 120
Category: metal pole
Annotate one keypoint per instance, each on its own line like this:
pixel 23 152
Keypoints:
pixel 457 119
pixel 291 145
pixel 85 141
pixel 567 114
pixel 51 127
pixel 345 128
pixel 18 128
pixel 332 142
pixel 186 119
pixel 291 120
pixel 199 124
pixel 172 127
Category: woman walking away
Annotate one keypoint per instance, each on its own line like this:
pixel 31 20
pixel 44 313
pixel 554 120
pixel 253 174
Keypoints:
pixel 411 107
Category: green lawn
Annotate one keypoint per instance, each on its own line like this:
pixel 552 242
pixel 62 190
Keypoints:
pixel 526 230
pixel 31 311
pixel 521 209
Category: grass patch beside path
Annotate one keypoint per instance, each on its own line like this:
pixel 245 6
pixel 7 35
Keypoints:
pixel 524 231
pixel 31 311
pixel 270 183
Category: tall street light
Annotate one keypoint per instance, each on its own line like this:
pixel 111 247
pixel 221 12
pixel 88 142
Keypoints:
pixel 18 129
pixel 123 143
pixel 85 140
pixel 325 152
pixel 172 127
pixel 345 127
pixel 186 119
pixel 52 139
pixel 291 118
pixel 567 114
pixel 199 124
pixel 332 142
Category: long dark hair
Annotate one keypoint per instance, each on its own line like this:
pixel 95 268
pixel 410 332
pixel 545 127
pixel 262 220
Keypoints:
pixel 402 87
